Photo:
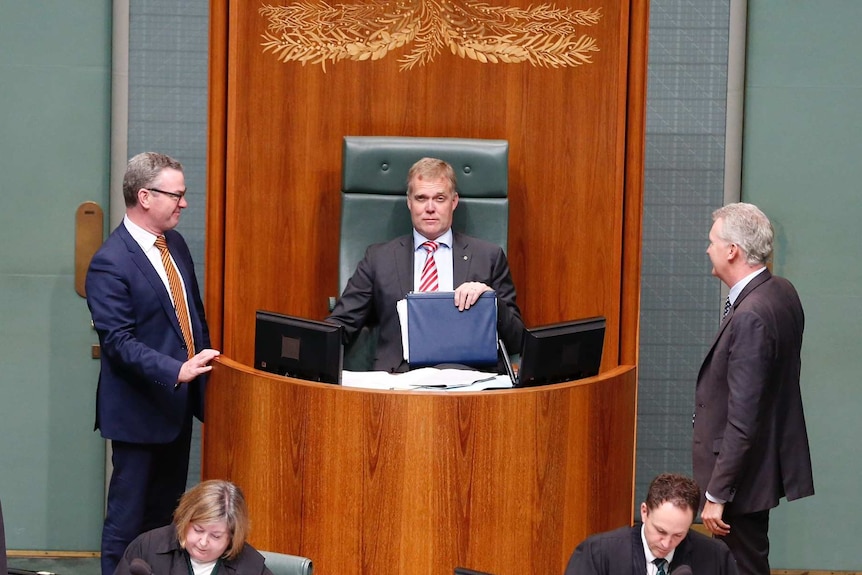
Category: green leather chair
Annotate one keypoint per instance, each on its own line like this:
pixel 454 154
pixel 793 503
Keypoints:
pixel 282 564
pixel 374 201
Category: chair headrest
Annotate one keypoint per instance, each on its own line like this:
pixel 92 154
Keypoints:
pixel 379 164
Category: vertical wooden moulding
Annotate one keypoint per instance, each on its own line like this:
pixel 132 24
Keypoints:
pixel 89 226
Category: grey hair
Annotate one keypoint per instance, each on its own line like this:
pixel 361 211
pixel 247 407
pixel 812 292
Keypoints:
pixel 749 228
pixel 142 170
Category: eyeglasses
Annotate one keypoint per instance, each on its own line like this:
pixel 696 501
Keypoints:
pixel 177 197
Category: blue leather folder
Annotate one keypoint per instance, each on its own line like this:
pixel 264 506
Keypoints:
pixel 439 334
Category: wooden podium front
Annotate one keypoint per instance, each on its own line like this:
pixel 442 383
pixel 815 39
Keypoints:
pixel 374 482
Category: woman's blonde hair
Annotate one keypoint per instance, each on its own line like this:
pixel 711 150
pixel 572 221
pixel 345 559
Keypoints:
pixel 212 501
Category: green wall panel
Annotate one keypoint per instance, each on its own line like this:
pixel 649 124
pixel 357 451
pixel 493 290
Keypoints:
pixel 54 154
pixel 802 151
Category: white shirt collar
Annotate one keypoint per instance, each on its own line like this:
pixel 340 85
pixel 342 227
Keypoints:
pixel 740 285
pixel 650 556
pixel 419 239
pixel 144 238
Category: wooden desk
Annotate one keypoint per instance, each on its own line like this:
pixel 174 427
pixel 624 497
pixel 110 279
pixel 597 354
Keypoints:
pixel 411 482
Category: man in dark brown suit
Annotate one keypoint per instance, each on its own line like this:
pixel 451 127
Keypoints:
pixel 750 445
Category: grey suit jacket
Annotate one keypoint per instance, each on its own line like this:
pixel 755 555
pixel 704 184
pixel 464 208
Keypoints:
pixel 621 552
pixel 750 444
pixel 385 275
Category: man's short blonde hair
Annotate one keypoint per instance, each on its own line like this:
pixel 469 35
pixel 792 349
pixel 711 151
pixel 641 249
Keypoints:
pixel 432 169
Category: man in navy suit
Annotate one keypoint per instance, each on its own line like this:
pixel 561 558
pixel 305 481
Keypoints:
pixel 750 445
pixel 661 544
pixel 465 265
pixel 152 378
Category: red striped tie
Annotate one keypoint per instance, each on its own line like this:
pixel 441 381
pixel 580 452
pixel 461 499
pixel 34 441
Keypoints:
pixel 177 294
pixel 428 282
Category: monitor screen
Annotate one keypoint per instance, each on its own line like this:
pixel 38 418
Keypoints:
pixel 298 347
pixel 562 352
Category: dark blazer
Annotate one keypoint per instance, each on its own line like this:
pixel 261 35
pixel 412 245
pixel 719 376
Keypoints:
pixel 385 275
pixel 3 570
pixel 750 445
pixel 161 549
pixel 142 347
pixel 621 552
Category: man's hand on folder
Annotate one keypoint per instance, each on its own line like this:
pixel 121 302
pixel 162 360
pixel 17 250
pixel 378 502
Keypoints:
pixel 467 293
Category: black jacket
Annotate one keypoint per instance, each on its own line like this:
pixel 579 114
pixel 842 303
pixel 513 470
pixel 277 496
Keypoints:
pixel 161 549
pixel 621 551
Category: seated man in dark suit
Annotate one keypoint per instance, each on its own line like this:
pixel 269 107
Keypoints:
pixel 432 258
pixel 661 544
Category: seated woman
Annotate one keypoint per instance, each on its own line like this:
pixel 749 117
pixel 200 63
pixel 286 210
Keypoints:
pixel 207 537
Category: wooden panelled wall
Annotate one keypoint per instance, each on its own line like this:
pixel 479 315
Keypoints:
pixel 575 136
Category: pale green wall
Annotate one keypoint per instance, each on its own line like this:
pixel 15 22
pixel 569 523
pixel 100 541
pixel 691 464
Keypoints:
pixel 54 151
pixel 803 165
pixel 802 162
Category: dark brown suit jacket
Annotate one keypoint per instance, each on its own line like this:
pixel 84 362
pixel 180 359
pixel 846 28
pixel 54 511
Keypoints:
pixel 385 275
pixel 750 444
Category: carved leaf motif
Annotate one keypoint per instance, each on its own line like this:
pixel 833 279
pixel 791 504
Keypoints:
pixel 317 32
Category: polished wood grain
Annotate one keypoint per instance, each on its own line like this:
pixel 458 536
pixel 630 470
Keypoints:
pixel 216 171
pixel 634 182
pixel 374 482
pixel 575 139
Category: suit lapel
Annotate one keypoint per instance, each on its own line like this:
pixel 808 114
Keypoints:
pixel 149 272
pixel 759 280
pixel 460 259
pixel 404 254
pixel 638 557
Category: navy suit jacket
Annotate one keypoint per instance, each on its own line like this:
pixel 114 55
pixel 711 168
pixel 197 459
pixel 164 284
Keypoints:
pixel 750 445
pixel 621 552
pixel 142 347
pixel 385 275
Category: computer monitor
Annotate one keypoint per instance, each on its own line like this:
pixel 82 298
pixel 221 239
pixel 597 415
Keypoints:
pixel 298 347
pixel 561 352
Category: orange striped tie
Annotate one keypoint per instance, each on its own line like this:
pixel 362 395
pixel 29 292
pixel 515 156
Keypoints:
pixel 177 294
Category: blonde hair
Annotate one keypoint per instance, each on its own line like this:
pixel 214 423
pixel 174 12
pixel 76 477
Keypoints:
pixel 432 169
pixel 212 501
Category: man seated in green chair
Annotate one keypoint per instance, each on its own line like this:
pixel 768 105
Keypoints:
pixel 433 258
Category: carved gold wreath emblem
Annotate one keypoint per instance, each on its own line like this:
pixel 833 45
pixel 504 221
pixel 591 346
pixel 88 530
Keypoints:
pixel 318 33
